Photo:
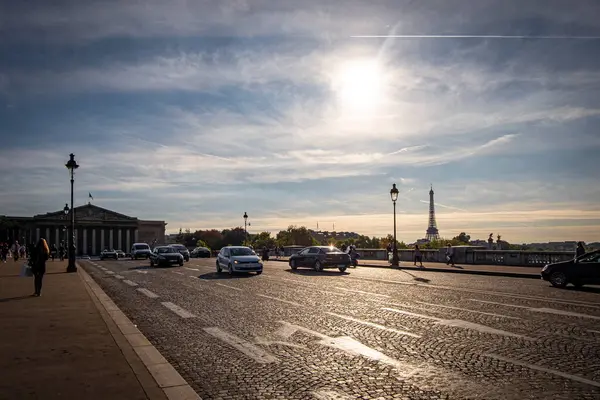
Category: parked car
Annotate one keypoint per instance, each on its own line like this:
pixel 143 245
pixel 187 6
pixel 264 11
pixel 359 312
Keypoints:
pixel 320 257
pixel 140 250
pixel 583 270
pixel 238 259
pixel 165 255
pixel 200 252
pixel 106 254
pixel 120 253
pixel 182 250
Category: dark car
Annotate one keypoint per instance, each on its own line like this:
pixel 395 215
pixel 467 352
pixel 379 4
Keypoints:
pixel 121 253
pixel 200 252
pixel 583 270
pixel 182 250
pixel 165 255
pixel 320 257
pixel 109 254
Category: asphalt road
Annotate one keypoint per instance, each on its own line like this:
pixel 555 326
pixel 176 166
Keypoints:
pixel 369 333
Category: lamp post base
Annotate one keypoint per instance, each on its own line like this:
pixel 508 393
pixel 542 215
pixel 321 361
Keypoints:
pixel 71 267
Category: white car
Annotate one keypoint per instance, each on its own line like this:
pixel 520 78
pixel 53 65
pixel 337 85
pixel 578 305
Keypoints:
pixel 238 259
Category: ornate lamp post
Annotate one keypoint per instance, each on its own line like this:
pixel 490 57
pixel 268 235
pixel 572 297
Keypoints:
pixel 72 166
pixel 394 195
pixel 245 227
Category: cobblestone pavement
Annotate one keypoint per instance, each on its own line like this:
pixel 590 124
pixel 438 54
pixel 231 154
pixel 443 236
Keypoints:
pixel 364 334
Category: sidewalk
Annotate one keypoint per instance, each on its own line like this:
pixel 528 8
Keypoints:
pixel 490 270
pixel 59 346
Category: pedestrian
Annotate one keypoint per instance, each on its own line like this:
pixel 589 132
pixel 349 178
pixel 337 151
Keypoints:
pixel 40 255
pixel 4 251
pixel 580 250
pixel 15 250
pixel 418 256
pixel 53 252
pixel 450 255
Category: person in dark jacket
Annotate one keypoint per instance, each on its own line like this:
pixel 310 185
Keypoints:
pixel 40 255
pixel 580 250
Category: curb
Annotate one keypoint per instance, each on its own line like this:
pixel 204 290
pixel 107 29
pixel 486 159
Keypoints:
pixel 156 375
pixel 452 271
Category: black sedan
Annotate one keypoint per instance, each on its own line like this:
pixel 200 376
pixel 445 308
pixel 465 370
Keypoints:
pixel 580 271
pixel 320 257
pixel 165 255
pixel 200 252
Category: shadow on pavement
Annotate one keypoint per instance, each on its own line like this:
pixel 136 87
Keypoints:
pixel 311 272
pixel 587 289
pixel 416 278
pixel 14 298
pixel 225 275
pixel 57 272
pixel 140 267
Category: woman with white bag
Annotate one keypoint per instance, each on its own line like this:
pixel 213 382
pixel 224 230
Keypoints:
pixel 39 256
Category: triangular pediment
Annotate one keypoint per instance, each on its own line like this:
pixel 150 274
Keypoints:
pixel 88 212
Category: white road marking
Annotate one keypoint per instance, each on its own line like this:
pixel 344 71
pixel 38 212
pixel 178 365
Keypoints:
pixel 247 348
pixel 178 273
pixel 230 287
pixel 148 293
pixel 459 323
pixel 192 269
pixel 141 272
pixel 130 283
pixel 281 300
pixel 349 346
pixel 466 309
pixel 119 277
pixel 178 310
pixel 110 272
pixel 329 395
pixel 361 292
pixel 542 310
pixel 593 331
pixel 543 369
pixel 374 325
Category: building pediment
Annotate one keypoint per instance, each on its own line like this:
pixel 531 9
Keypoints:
pixel 89 213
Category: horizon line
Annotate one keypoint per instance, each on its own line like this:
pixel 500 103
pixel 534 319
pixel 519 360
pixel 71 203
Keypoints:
pixel 545 37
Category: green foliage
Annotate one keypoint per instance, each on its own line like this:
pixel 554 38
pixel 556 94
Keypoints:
pixel 461 239
pixel 262 240
pixel 294 235
pixel 202 243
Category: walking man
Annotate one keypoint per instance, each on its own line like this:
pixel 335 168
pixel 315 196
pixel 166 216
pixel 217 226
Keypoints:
pixel 450 255
pixel 418 256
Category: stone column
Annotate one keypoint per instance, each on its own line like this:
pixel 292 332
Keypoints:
pixel 57 237
pixel 47 235
pixel 128 240
pixel 85 251
pixel 37 234
pixel 102 240
pixel 135 236
pixel 93 241
pixel 110 239
pixel 119 239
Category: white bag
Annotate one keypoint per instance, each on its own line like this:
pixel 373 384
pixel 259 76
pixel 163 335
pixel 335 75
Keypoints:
pixel 26 271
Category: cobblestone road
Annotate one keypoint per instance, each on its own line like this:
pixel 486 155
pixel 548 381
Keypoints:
pixel 368 333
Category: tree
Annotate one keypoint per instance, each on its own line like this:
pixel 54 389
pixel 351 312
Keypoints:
pixel 202 243
pixel 262 240
pixel 234 237
pixel 213 238
pixel 294 235
pixel 462 238
pixel 389 239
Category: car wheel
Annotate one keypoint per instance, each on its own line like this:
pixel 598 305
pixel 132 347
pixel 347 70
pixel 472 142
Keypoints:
pixel 318 266
pixel 152 263
pixel 258 272
pixel 181 263
pixel 558 279
pixel 293 264
pixel 230 269
pixel 342 269
pixel 219 270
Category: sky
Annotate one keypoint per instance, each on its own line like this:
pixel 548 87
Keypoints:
pixel 195 112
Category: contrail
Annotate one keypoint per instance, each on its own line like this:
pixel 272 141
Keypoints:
pixel 441 205
pixel 478 37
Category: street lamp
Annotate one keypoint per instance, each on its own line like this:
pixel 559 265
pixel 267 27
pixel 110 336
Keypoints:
pixel 394 195
pixel 245 227
pixel 72 166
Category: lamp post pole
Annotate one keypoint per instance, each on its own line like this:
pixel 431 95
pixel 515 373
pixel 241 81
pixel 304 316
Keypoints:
pixel 72 166
pixel 394 196
pixel 245 228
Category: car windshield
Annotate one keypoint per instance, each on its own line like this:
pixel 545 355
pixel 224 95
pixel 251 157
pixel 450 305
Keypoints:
pixel 331 249
pixel 178 246
pixel 166 250
pixel 241 251
pixel 141 247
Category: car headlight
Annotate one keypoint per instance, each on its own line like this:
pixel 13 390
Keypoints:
pixel 235 261
pixel 545 267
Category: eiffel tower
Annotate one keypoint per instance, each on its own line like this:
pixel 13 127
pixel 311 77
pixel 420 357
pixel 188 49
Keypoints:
pixel 432 230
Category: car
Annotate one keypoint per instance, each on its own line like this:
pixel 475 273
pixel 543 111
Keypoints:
pixel 200 252
pixel 320 257
pixel 109 254
pixel 120 253
pixel 165 255
pixel 238 259
pixel 183 250
pixel 140 250
pixel 582 270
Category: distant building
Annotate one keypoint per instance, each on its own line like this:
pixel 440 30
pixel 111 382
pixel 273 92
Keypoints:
pixel 96 228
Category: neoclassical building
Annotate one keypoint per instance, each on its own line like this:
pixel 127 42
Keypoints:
pixel 96 228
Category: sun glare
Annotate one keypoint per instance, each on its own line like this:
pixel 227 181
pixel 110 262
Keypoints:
pixel 359 85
